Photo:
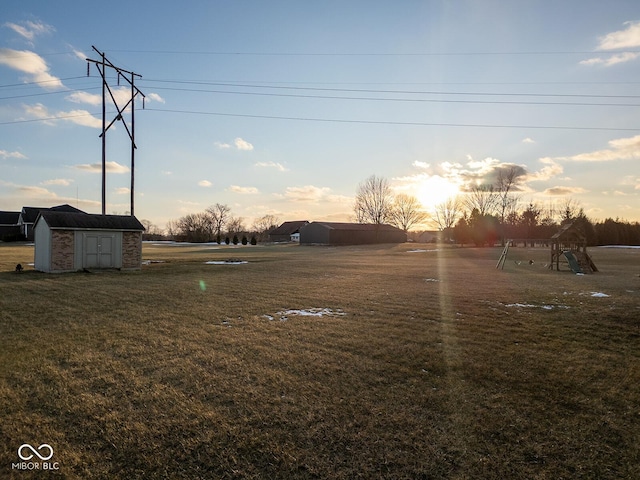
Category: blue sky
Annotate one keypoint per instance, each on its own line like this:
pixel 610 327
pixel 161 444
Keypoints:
pixel 282 108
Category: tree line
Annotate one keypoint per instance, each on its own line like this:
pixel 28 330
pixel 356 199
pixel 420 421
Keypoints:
pixel 487 214
pixel 218 224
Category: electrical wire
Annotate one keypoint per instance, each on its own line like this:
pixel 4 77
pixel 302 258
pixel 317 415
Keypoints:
pixel 389 122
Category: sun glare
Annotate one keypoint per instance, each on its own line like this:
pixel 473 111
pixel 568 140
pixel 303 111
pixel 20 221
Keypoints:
pixel 435 190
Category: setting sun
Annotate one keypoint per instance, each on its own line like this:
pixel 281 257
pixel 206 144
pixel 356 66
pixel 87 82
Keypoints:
pixel 435 190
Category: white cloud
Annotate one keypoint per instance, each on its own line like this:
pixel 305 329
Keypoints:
pixel 204 183
pixel 419 164
pixel 58 181
pixel 154 97
pixel 550 170
pixel 111 167
pixel 242 144
pixel 39 191
pixel 122 191
pixel 611 60
pixel 528 140
pixel 29 30
pixel 222 146
pixel 32 64
pixel 79 117
pixel 621 149
pixel 559 191
pixel 308 193
pixel 243 190
pixel 277 166
pixel 122 96
pixel 627 38
pixel 4 154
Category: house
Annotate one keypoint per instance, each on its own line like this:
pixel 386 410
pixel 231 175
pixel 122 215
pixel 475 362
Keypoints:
pixel 287 232
pixel 334 233
pixel 28 217
pixel 68 242
pixel 9 226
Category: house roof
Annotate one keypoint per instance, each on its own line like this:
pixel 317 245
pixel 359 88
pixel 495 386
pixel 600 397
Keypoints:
pixel 288 228
pixel 9 218
pixel 86 221
pixel 359 226
pixel 30 214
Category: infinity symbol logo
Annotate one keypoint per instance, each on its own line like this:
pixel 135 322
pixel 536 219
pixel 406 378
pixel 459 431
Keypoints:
pixel 35 452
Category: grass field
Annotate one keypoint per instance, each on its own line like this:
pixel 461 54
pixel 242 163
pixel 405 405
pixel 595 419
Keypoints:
pixel 405 361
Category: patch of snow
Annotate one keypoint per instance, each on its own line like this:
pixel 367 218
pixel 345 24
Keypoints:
pixel 529 305
pixel 418 250
pixel 149 262
pixel 619 246
pixel 310 312
pixel 599 294
pixel 225 262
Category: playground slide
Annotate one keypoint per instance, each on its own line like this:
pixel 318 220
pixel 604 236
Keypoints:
pixel 573 262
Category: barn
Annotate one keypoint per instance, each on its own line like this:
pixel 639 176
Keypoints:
pixel 68 242
pixel 287 232
pixel 334 233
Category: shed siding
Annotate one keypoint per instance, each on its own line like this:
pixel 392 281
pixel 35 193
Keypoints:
pixel 42 253
pixel 131 249
pixel 62 251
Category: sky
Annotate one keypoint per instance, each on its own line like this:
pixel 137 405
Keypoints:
pixel 283 108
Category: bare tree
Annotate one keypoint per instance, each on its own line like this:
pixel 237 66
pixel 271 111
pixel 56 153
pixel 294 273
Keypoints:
pixel 195 227
pixel 406 212
pixel 264 224
pixel 235 225
pixel 569 210
pixel 505 183
pixel 447 213
pixel 482 198
pixel 219 215
pixel 374 201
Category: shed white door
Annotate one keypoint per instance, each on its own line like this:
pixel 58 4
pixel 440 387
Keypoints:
pixel 99 251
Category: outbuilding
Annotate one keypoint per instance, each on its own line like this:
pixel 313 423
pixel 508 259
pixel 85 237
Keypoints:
pixel 336 233
pixel 287 232
pixel 68 242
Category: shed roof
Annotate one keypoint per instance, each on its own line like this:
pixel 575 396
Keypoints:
pixel 86 221
pixel 9 218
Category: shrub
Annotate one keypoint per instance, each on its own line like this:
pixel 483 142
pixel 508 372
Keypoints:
pixel 244 240
pixel 254 241
pixel 235 239
pixel 226 240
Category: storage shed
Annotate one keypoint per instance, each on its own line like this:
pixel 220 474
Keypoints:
pixel 68 242
pixel 334 233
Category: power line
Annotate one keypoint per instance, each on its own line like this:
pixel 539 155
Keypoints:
pixel 364 54
pixel 417 100
pixel 403 92
pixel 388 122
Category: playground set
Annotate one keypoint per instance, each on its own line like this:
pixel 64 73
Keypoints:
pixel 568 244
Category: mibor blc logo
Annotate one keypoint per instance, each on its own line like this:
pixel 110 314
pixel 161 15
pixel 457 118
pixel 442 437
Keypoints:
pixel 35 458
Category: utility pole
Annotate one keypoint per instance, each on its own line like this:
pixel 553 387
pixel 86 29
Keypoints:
pixel 102 65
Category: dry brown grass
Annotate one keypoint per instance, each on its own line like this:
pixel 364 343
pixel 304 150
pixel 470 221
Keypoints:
pixel 178 371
